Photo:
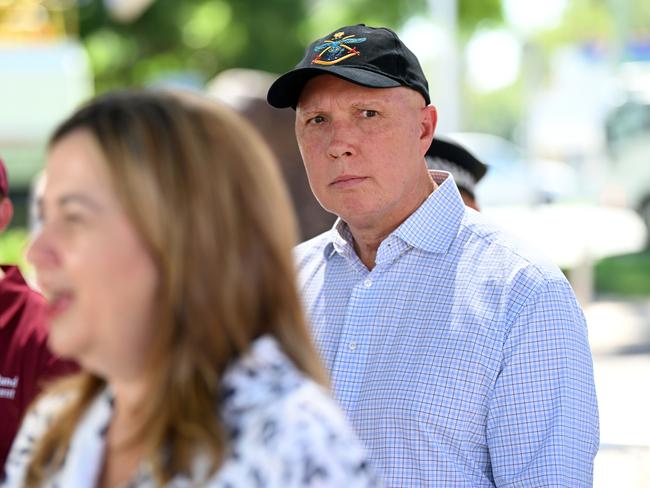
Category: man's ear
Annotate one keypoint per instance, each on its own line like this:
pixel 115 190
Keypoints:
pixel 6 212
pixel 429 122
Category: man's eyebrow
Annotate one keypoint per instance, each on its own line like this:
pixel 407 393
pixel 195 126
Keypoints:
pixel 357 104
pixel 309 111
pixel 369 105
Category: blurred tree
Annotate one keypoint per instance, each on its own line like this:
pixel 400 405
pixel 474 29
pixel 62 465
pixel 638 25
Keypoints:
pixel 472 13
pixel 601 23
pixel 196 36
pixel 204 37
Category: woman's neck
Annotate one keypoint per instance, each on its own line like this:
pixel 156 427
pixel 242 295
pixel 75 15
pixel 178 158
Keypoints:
pixel 124 449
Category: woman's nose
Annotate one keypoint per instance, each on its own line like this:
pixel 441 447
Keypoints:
pixel 40 252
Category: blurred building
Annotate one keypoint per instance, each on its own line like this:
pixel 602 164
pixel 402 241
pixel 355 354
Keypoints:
pixel 44 75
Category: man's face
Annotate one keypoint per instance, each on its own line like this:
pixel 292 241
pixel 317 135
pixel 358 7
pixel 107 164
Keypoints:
pixel 363 149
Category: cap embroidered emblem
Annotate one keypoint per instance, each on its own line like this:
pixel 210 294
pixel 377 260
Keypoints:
pixel 336 49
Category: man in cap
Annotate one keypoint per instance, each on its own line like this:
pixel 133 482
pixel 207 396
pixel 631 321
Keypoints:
pixel 467 170
pixel 461 358
pixel 25 361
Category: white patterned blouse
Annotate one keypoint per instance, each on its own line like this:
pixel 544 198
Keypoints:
pixel 285 431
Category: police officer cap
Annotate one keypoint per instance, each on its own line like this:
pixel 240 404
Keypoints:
pixel 447 155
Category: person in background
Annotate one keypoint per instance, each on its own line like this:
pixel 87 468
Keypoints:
pixel 25 360
pixel 467 170
pixel 245 91
pixel 460 356
pixel 164 228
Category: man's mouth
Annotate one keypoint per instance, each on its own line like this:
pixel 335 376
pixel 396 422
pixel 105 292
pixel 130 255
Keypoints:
pixel 347 181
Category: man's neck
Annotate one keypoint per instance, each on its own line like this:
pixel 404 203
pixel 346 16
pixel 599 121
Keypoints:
pixel 366 245
pixel 368 239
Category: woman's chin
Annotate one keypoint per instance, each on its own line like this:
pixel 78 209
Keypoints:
pixel 62 342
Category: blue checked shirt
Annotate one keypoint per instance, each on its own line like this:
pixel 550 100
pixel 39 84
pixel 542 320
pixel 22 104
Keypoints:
pixel 462 358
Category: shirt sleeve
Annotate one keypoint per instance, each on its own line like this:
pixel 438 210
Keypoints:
pixel 543 417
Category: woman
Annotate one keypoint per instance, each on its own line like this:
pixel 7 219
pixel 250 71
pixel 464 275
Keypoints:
pixel 165 253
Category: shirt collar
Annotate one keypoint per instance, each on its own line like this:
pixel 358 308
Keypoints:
pixel 432 227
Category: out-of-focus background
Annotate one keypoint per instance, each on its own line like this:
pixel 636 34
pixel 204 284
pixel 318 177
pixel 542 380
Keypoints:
pixel 553 95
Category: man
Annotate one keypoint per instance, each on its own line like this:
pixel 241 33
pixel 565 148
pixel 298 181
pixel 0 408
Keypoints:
pixel 25 361
pixel 467 170
pixel 460 357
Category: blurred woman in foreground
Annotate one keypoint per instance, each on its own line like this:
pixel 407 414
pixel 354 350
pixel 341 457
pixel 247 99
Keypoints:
pixel 165 253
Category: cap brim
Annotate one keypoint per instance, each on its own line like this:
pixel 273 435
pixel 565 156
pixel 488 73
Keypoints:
pixel 448 149
pixel 285 91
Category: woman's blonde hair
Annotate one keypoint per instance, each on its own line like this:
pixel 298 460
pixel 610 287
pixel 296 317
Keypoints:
pixel 204 193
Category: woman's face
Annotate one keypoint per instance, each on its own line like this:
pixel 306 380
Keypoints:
pixel 92 266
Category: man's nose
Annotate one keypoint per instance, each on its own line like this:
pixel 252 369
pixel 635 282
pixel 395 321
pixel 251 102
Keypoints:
pixel 343 140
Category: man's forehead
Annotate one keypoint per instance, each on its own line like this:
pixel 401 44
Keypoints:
pixel 326 86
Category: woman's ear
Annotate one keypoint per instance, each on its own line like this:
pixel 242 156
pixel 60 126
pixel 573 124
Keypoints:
pixel 6 212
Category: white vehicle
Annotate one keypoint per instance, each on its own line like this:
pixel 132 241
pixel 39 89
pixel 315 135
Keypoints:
pixel 513 179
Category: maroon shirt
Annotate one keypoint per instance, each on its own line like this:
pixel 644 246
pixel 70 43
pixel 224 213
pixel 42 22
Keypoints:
pixel 25 360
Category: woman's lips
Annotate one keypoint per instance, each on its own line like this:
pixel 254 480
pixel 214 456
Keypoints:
pixel 58 304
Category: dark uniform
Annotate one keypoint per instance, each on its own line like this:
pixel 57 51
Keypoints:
pixel 467 170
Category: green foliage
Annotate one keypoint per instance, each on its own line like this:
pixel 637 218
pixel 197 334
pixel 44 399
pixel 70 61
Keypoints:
pixel 639 17
pixel 624 275
pixel 204 37
pixel 601 22
pixel 497 112
pixel 196 36
pixel 12 247
pixel 472 13
pixel 327 15
pixel 584 21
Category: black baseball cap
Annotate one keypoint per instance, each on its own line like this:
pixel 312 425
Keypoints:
pixel 369 56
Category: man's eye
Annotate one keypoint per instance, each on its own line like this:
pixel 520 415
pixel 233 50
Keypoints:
pixel 369 113
pixel 319 119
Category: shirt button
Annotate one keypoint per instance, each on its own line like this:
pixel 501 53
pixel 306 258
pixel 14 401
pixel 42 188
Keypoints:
pixel 367 283
pixel 352 346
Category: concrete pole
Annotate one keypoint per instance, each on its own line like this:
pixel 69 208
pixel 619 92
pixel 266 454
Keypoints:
pixel 448 100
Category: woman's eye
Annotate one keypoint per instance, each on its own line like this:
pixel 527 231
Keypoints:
pixel 72 218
